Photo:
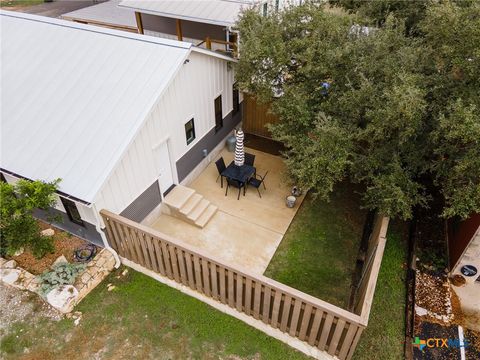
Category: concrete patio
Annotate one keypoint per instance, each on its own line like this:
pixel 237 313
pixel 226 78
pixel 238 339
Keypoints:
pixel 243 232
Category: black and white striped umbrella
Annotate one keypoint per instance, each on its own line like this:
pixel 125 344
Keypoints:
pixel 239 150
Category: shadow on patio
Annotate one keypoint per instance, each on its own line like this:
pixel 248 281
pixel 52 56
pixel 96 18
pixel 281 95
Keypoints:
pixel 244 232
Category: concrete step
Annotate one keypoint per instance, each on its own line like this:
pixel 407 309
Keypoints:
pixel 206 216
pixel 178 197
pixel 198 210
pixel 190 204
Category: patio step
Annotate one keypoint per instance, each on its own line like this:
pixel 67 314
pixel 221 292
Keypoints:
pixel 185 204
pixel 190 204
pixel 206 216
pixel 198 210
pixel 178 197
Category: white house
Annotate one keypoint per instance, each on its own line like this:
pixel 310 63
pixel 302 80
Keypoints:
pixel 119 117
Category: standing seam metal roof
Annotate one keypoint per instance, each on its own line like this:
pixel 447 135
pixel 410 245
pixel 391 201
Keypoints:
pixel 73 97
pixel 216 12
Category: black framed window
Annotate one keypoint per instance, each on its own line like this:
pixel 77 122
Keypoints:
pixel 265 9
pixel 277 5
pixel 236 99
pixel 218 113
pixel 72 211
pixel 190 131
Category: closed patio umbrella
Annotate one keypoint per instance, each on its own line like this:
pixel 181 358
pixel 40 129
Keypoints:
pixel 239 150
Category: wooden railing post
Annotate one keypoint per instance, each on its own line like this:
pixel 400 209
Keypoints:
pixel 208 43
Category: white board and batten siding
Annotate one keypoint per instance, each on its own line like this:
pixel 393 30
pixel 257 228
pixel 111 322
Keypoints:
pixel 191 94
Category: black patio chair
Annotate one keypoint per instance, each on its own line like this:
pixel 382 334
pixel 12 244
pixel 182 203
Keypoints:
pixel 249 159
pixel 220 164
pixel 257 181
pixel 237 184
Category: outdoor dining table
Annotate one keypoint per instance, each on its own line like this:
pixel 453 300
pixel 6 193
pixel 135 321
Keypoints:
pixel 238 173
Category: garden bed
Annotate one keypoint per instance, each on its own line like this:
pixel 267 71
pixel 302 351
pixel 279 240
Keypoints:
pixel 65 244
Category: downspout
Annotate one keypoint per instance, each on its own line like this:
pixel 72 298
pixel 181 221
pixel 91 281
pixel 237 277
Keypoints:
pixel 104 238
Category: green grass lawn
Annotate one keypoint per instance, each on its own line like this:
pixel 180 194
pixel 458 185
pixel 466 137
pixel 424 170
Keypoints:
pixel 318 253
pixel 11 3
pixel 385 333
pixel 142 319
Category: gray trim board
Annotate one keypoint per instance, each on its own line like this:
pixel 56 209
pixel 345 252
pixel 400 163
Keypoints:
pixel 144 204
pixel 87 232
pixel 209 141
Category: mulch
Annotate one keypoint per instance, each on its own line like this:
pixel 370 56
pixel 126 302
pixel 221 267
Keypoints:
pixel 65 244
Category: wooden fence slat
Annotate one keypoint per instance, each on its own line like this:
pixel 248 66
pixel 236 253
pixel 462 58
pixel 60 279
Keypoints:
pixel 332 347
pixel 248 296
pixel 206 277
pixel 138 250
pixel 307 314
pixel 317 319
pixel 325 331
pixel 181 266
pixel 143 246
pixel 112 240
pixel 122 240
pixel 190 270
pixel 295 316
pixel 174 263
pixel 277 300
pixel 354 343
pixel 198 273
pixel 151 252
pixel 166 259
pixel 231 289
pixel 352 329
pixel 266 305
pixel 223 285
pixel 239 297
pixel 130 243
pixel 158 254
pixel 257 299
pixel 287 304
pixel 214 280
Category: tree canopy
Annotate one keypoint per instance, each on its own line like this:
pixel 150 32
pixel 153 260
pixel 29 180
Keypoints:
pixel 399 111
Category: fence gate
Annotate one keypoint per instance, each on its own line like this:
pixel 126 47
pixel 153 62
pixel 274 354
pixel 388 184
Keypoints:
pixel 256 116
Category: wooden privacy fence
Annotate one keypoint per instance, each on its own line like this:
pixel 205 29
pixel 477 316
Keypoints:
pixel 318 323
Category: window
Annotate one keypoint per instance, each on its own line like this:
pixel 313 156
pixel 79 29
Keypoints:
pixel 218 113
pixel 190 131
pixel 236 99
pixel 265 9
pixel 277 5
pixel 72 211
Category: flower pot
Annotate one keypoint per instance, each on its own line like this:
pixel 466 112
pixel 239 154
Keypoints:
pixel 290 201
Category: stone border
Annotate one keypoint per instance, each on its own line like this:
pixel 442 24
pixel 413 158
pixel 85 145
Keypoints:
pixel 63 298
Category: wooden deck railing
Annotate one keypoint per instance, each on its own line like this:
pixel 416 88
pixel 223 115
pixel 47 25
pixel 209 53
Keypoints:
pixel 320 324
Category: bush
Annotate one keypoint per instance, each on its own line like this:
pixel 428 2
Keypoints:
pixel 61 274
pixel 18 227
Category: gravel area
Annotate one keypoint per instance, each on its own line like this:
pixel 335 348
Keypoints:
pixel 17 305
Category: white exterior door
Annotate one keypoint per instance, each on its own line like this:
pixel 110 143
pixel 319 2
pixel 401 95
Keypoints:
pixel 164 169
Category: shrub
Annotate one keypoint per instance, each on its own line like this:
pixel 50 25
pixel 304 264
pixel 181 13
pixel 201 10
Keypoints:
pixel 61 274
pixel 18 227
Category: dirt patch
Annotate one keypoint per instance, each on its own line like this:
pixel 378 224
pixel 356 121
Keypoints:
pixel 65 244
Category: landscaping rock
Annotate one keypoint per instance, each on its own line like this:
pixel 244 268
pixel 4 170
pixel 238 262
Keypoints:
pixel 10 264
pixel 47 232
pixel 19 252
pixel 2 261
pixel 63 298
pixel 9 276
pixel 60 260
pixel 124 272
